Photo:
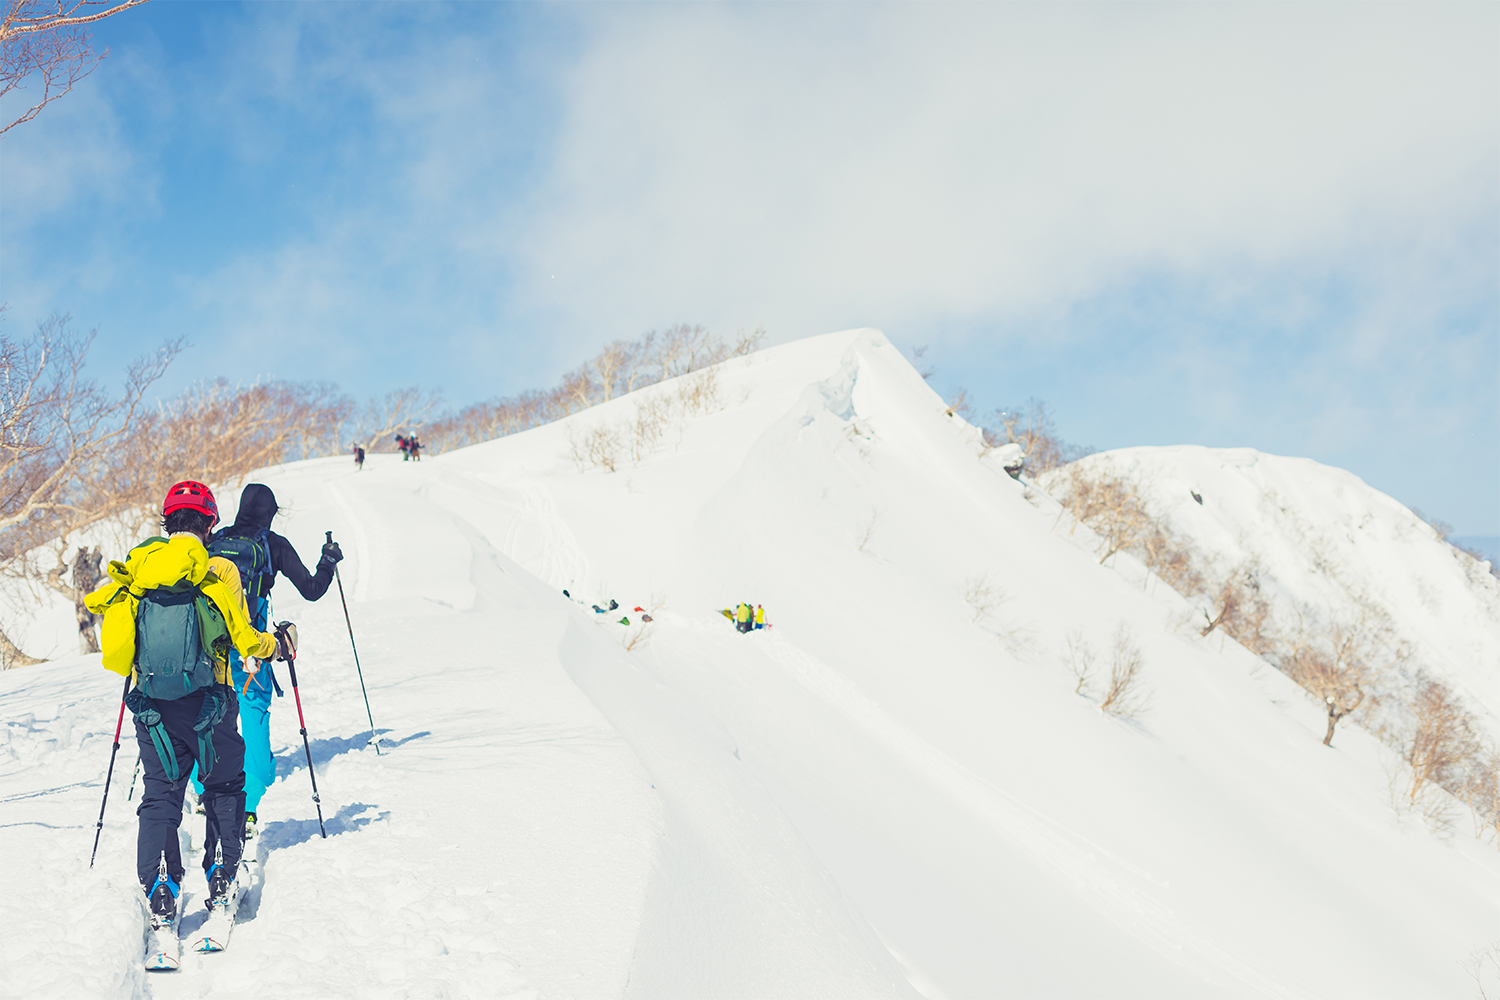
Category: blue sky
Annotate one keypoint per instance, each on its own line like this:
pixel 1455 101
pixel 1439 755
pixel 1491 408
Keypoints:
pixel 1266 225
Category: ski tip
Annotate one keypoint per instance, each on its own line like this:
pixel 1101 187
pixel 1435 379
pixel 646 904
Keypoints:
pixel 206 945
pixel 161 962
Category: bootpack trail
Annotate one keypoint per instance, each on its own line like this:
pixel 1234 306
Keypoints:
pixel 884 794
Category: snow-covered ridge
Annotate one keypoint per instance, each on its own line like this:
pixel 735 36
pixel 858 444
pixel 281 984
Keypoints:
pixel 1324 543
pixel 886 794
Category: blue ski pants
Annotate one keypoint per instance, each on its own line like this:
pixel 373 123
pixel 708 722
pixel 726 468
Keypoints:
pixel 255 728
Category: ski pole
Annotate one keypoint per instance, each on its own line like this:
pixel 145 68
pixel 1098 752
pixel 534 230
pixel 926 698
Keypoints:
pixel 291 666
pixel 133 776
pixel 120 722
pixel 373 738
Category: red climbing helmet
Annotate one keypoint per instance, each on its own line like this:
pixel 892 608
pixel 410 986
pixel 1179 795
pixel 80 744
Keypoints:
pixel 192 496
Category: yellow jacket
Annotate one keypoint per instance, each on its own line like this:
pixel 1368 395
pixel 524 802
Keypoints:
pixel 163 562
pixel 742 613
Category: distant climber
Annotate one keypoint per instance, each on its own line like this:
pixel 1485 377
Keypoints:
pixel 415 448
pixel 359 458
pixel 742 617
pixel 760 616
pixel 404 443
pixel 1196 497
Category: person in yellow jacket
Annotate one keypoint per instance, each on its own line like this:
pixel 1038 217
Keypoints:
pixel 760 616
pixel 742 616
pixel 171 612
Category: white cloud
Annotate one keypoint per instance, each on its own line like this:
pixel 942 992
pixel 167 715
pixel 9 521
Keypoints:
pixel 822 165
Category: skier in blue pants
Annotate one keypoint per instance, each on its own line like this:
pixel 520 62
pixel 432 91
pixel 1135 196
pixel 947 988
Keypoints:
pixel 254 680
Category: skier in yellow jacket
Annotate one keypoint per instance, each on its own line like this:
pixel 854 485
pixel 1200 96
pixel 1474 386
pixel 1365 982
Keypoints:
pixel 171 612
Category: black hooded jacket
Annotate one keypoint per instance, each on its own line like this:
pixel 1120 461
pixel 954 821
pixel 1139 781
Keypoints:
pixel 257 507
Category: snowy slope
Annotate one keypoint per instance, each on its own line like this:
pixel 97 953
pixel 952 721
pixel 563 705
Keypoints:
pixel 879 796
pixel 1325 541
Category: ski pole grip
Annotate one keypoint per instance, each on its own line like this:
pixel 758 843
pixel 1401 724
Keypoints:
pixel 328 535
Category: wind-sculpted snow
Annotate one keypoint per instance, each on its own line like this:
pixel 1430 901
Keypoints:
pixel 886 793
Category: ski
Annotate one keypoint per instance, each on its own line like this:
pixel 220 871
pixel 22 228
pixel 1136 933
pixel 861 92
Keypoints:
pixel 164 905
pixel 213 935
pixel 163 948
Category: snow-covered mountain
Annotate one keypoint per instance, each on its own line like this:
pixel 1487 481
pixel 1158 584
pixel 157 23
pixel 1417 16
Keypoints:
pixel 1326 545
pixel 894 791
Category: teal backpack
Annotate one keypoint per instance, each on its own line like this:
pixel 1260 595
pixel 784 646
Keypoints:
pixel 178 631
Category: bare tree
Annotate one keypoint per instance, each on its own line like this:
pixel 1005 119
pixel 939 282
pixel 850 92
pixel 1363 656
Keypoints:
pixel 1113 505
pixel 1032 427
pixel 86 576
pixel 983 596
pixel 1081 660
pixel 49 39
pixel 1341 662
pixel 398 410
pixel 1482 791
pixel 1442 740
pixel 59 436
pixel 1126 697
pixel 1240 609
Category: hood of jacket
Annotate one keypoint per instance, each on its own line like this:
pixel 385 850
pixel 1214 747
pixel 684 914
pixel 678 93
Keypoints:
pixel 257 507
pixel 161 562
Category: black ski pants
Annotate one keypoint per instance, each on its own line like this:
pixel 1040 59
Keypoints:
pixel 223 799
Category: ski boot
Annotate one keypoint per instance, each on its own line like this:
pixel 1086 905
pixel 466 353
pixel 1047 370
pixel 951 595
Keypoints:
pixel 222 887
pixel 162 897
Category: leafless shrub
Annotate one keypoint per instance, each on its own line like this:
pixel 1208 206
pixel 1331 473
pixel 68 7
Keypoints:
pixel 651 415
pixel 698 392
pixel 603 443
pixel 1172 558
pixel 984 597
pixel 1127 697
pixel 1481 791
pixel 926 371
pixel 1081 660
pixel 1239 608
pixel 1442 741
pixel 1483 967
pixel 1032 427
pixel 1113 505
pixel 959 404
pixel 1473 561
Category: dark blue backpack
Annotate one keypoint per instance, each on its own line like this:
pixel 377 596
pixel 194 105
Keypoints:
pixel 251 555
pixel 178 633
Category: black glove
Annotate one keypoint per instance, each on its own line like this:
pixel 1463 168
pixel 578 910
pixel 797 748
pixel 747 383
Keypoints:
pixel 332 554
pixel 286 641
